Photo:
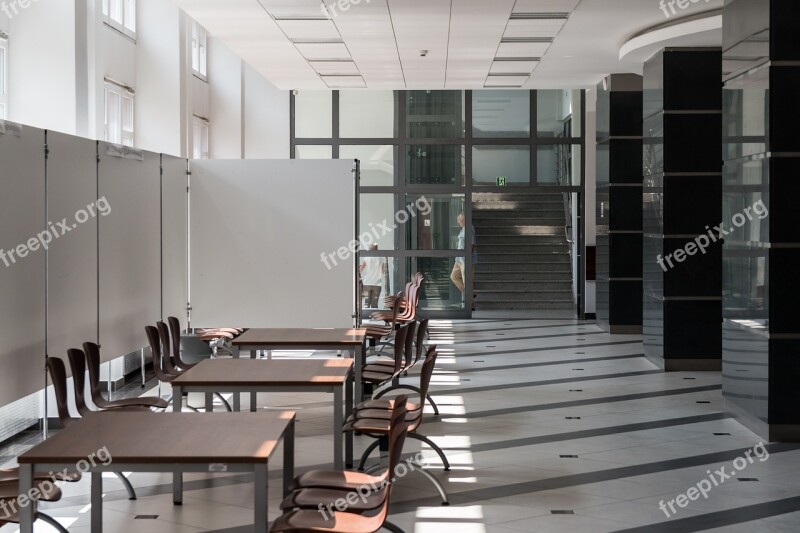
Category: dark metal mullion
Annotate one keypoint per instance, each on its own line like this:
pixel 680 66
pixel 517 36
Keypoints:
pixel 469 289
pixel 582 215
pixel 335 125
pixel 534 112
pixel 402 152
pixel 292 131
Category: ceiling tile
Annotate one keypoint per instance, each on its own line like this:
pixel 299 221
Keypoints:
pixel 522 49
pixel 317 51
pixel 512 67
pixel 309 29
pixel 506 81
pixel 335 82
pixel 327 68
pixel 533 28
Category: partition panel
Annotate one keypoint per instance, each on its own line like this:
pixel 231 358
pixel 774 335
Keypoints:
pixel 72 257
pixel 22 268
pixel 258 231
pixel 175 244
pixel 130 249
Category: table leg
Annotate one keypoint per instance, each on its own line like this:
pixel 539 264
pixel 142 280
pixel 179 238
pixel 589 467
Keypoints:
pixel 338 424
pixel 237 397
pixel 260 503
pixel 209 402
pixel 253 395
pixel 348 410
pixel 25 486
pixel 177 399
pixel 97 502
pixel 177 488
pixel 358 354
pixel 288 458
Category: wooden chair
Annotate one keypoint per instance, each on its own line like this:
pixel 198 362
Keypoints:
pixel 313 490
pixel 58 376
pixel 77 362
pixel 92 353
pixel 162 372
pixel 9 496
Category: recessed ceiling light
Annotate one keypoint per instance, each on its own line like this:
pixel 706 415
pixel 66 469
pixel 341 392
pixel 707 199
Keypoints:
pixel 539 16
pixel 527 40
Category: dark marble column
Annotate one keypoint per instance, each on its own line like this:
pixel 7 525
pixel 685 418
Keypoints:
pixel 682 199
pixel 619 204
pixel 761 177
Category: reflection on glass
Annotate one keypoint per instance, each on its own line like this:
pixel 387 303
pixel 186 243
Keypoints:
pixel 377 221
pixel 313 115
pixel 559 113
pixel 559 164
pixel 744 281
pixel 745 103
pixel 367 114
pixel 313 152
pixel 379 278
pixel 435 164
pixel 491 164
pixel 439 292
pixel 439 228
pixel 435 114
pixel 377 163
pixel 501 114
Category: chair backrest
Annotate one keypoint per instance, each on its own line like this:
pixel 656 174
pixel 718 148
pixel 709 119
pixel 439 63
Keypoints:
pixel 58 375
pixel 92 352
pixel 399 348
pixel 398 427
pixel 422 333
pixel 424 383
pixel 408 348
pixel 154 339
pixel 77 362
pixel 166 356
pixel 175 334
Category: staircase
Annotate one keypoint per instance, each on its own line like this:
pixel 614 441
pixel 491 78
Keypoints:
pixel 524 258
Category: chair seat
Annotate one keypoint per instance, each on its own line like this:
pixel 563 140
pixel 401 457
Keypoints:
pixel 12 474
pixel 48 492
pixel 384 405
pixel 313 497
pixel 146 401
pixel 308 521
pixel 376 377
pixel 382 415
pixel 331 479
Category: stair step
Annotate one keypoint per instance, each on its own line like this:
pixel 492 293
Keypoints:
pixel 514 230
pixel 529 267
pixel 497 285
pixel 521 240
pixel 522 306
pixel 502 275
pixel 523 247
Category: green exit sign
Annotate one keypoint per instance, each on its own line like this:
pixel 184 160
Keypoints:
pixel 501 181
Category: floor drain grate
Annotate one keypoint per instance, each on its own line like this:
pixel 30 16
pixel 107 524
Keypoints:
pixel 722 434
pixel 703 401
pixel 572 417
pixel 146 517
pixel 562 512
pixel 576 390
pixel 747 479
pixel 568 456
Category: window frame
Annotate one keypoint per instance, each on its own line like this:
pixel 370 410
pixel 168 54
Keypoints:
pixel 201 147
pixel 199 48
pixel 4 76
pixel 127 99
pixel 126 24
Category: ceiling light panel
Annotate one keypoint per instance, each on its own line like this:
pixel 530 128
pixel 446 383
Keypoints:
pixel 344 82
pixel 522 49
pixel 327 68
pixel 522 28
pixel 322 51
pixel 545 6
pixel 309 29
pixel 512 67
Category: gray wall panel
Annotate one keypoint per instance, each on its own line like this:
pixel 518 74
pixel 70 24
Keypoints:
pixel 258 229
pixel 72 271
pixel 175 231
pixel 22 282
pixel 130 252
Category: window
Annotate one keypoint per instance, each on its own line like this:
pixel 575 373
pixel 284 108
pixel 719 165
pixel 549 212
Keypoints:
pixel 200 138
pixel 121 15
pixel 3 78
pixel 199 50
pixel 119 120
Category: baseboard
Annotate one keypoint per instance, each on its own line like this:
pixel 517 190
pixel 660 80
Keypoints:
pixel 685 365
pixel 768 432
pixel 590 316
pixel 616 329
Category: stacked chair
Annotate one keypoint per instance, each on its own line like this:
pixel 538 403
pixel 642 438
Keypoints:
pixel 58 376
pixel 9 496
pixel 372 418
pixel 403 310
pixel 317 489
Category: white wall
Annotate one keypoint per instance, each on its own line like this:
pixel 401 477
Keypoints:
pixel 266 118
pixel 226 97
pixel 42 79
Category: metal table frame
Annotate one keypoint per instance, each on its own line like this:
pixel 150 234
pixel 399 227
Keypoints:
pixel 260 470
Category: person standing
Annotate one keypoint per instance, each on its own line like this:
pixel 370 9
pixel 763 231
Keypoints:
pixel 459 274
pixel 373 273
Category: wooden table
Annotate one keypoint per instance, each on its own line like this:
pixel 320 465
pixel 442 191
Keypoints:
pixel 334 376
pixel 350 340
pixel 159 442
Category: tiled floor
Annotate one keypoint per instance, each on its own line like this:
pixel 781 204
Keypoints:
pixel 517 395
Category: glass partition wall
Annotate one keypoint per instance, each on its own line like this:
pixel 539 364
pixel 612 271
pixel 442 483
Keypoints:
pixel 423 155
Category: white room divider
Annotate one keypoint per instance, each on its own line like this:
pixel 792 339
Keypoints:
pixel 22 288
pixel 175 235
pixel 130 249
pixel 258 231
